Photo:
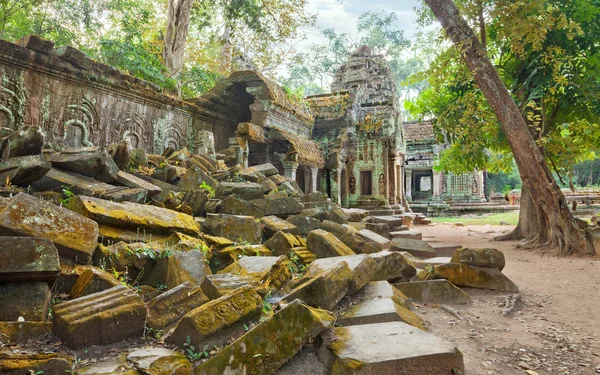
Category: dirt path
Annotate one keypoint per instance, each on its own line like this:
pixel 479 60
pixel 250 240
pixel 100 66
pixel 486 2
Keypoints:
pixel 557 328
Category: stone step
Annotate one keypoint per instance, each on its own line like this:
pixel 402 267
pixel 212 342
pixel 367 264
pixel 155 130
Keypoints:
pixel 392 221
pixel 410 234
pixel 392 348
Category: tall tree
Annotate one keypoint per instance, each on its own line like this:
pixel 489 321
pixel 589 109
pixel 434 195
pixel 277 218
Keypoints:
pixel 563 232
pixel 175 39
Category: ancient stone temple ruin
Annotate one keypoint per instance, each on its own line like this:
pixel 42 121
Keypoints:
pixel 423 184
pixel 359 128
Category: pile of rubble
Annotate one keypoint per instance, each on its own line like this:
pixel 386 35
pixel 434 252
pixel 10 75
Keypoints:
pixel 177 264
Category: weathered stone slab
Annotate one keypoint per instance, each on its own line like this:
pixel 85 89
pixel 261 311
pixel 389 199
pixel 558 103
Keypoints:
pixel 23 363
pixel 304 224
pixel 243 190
pixel 234 206
pixel 305 362
pixel 362 266
pixel 13 333
pixel 74 57
pixel 92 280
pixel 93 162
pixel 375 306
pixel 225 257
pixel 281 243
pixel 191 266
pixel 480 257
pixel 28 140
pixel 120 153
pixel 159 361
pixel 324 244
pixel 213 322
pixel 272 272
pixel 35 43
pixel 24 170
pixel 25 300
pixel 282 207
pixel 393 348
pixel 295 325
pixel 372 237
pixel 326 289
pixel 74 236
pixel 315 196
pixel 57 179
pixel 417 248
pixel 434 291
pixel 100 318
pixel 28 259
pixel 423 263
pixel 113 366
pixel 445 250
pixel 332 227
pixel 391 221
pixel 133 216
pixel 132 181
pixel 475 277
pixel 266 169
pixel 194 178
pixel 379 228
pixel 218 285
pixel 392 265
pixel 274 224
pixel 338 215
pixel 234 227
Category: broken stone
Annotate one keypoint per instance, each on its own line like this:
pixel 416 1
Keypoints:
pixel 191 266
pixel 480 257
pixel 362 266
pixel 434 291
pixel 332 227
pixel 23 363
pixel 445 250
pixel 266 169
pixel 225 257
pixel 24 170
pixel 100 318
pixel 292 188
pixel 392 265
pixel 302 256
pixel 74 236
pixel 315 196
pixel 171 305
pixel 391 221
pixel 324 244
pixel 338 215
pixel 417 248
pixel 475 277
pixel 74 57
pixel 92 280
pixel 120 153
pixel 194 178
pixel 218 285
pixel 282 207
pixel 274 224
pixel 304 224
pixel 159 361
pixel 28 259
pixel 113 366
pixel 379 241
pixel 129 180
pixel 234 206
pixel 234 227
pixel 215 321
pixel 92 162
pixel 408 234
pixel 393 348
pixel 295 325
pixel 29 140
pixel 272 272
pixel 380 228
pixel 282 243
pixel 24 300
pixel 326 289
pixel 13 333
pixel 133 216
pixel 35 43
pixel 243 190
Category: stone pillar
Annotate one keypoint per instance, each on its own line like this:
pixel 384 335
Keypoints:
pixel 437 185
pixel 314 172
pixel 289 169
pixel 334 175
pixel 408 177
pixel 480 184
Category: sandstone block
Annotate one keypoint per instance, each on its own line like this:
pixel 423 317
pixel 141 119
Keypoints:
pixel 304 224
pixel 34 362
pixel 234 206
pixel 480 257
pixel 408 234
pixel 274 224
pixel 266 169
pixel 26 300
pixel 243 190
pixel 392 265
pixel 24 170
pixel 13 333
pixel 195 177
pixel 35 43
pixel 324 244
pixel 225 257
pixel 282 207
pixel 362 266
pixel 326 289
pixel 417 248
pixel 380 228
pixel 379 241
pixel 132 181
pixel 189 266
pixel 93 162
pixel 159 361
pixel 475 277
pixel 338 215
pixel 28 259
pixel 234 227
pixel 218 285
pixel 434 291
pixel 281 243
pixel 92 280
pixel 272 272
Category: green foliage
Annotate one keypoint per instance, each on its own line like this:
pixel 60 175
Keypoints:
pixel 197 80
pixel 208 188
pixel 67 195
pixel 191 350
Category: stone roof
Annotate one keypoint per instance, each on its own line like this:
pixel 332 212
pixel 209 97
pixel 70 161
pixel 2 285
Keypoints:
pixel 304 151
pixel 418 131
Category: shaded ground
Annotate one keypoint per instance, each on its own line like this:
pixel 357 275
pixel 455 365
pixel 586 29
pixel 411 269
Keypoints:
pixel 555 331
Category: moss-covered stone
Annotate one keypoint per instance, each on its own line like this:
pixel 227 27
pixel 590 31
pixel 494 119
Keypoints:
pixel 12 333
pixel 92 280
pixel 28 259
pixel 324 244
pixel 480 257
pixel 160 361
pixel 270 344
pixel 93 162
pixel 216 286
pixel 281 207
pixel 234 206
pixel 226 257
pixel 234 227
pixel 362 266
pixel 474 277
pixel 274 224
pixel 433 291
pixel 417 248
pixel 32 362
pixel 171 305
pixel 191 266
pixel 392 265
pixel 213 322
pixel 271 272
pixel 326 289
pixel 281 243
pixel 25 300
pixel 113 366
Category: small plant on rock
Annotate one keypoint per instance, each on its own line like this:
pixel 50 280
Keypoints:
pixel 191 350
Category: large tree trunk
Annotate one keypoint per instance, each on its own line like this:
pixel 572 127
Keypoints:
pixel 549 199
pixel 178 24
pixel 529 226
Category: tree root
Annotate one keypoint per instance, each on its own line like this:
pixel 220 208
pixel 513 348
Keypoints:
pixel 511 304
pixel 456 314
pixel 514 235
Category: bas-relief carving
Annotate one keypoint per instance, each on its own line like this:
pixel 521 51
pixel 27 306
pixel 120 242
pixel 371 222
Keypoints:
pixel 79 123
pixel 133 128
pixel 12 101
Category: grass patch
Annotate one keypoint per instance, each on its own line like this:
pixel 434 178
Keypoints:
pixel 493 219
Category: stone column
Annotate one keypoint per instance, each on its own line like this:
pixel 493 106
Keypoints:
pixel 408 177
pixel 480 184
pixel 437 185
pixel 314 172
pixel 334 175
pixel 289 169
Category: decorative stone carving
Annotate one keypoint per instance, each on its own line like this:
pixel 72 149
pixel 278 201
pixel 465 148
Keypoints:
pixel 12 102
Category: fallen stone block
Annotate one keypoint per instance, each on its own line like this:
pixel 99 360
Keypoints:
pixel 417 248
pixel 356 214
pixel 215 321
pixel 243 190
pixel 480 257
pixel 409 234
pixel 23 170
pixel 29 362
pixel 434 291
pixel 392 265
pixel 362 266
pixel 120 153
pixel 29 140
pixel 157 361
pixel 134 217
pixel 266 169
pixel 234 227
pixel 380 228
pixel 218 285
pixel 234 206
pixel 295 325
pixel 28 259
pixel 304 224
pixel 93 162
pixel 324 244
pixel 394 348
pixel 305 362
pixel 271 272
pixel 74 236
pixel 13 333
pixel 92 280
pixel 338 215
pixel 475 277
pixel 282 207
pixel 301 256
pixel 332 227
pixel 100 318
pixel 225 257
pixel 25 300
pixel 195 178
pixel 391 221
pixel 74 57
pixel 424 263
pixel 281 243
pixel 132 181
pixel 380 242
pixel 326 289
pixel 274 224
pixel 445 250
pixel 191 266
pixel 113 366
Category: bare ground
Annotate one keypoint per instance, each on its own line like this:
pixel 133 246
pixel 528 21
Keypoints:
pixel 555 330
